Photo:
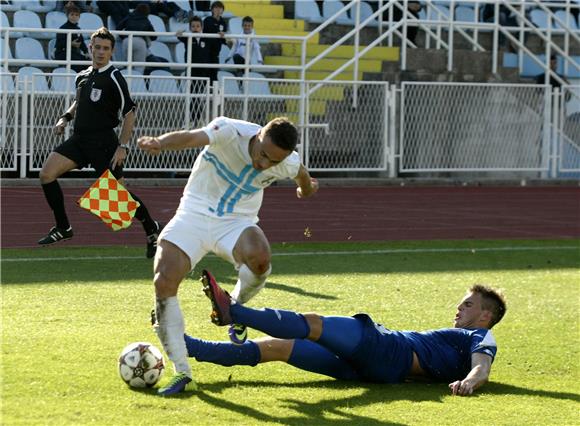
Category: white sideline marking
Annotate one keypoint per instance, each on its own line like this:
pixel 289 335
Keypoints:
pixel 321 253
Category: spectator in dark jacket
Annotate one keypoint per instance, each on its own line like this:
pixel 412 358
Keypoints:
pixel 79 50
pixel 215 24
pixel 117 10
pixel 138 21
pixel 199 48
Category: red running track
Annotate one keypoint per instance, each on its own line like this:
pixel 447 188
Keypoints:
pixel 334 214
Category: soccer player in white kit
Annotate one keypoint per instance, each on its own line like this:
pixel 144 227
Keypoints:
pixel 218 213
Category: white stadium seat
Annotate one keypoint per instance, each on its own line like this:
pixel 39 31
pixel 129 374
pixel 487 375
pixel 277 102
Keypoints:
pixel 90 21
pixel 159 27
pixel 224 54
pixel 162 81
pixel 235 26
pixel 63 83
pixel 465 14
pixel 308 11
pixel 54 19
pixel 258 87
pixel 180 53
pixel 39 81
pixel 12 6
pixel 36 6
pixel 158 48
pixel 365 11
pixel 50 52
pixel 2 50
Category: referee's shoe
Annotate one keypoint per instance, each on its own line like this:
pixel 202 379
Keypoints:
pixel 152 241
pixel 55 235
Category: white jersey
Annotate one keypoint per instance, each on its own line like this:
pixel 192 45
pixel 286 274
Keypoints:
pixel 223 182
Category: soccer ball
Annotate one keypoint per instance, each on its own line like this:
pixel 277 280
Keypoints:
pixel 141 365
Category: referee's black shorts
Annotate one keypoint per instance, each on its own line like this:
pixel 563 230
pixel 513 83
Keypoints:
pixel 96 150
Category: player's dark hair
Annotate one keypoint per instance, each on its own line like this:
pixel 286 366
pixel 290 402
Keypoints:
pixel 248 19
pixel 282 132
pixel 72 8
pixel 195 19
pixel 491 300
pixel 104 34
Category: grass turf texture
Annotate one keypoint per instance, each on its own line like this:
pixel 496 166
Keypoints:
pixel 65 322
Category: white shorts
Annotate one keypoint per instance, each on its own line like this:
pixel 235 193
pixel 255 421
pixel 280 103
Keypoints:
pixel 198 235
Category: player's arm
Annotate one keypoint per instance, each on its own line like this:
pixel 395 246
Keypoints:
pixel 64 119
pixel 479 374
pixel 174 141
pixel 307 186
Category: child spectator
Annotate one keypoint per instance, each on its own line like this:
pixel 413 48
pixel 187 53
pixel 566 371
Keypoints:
pixel 200 53
pixel 79 50
pixel 215 24
pixel 239 46
pixel 138 21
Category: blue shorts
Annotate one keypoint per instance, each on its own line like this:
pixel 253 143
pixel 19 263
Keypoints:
pixel 382 356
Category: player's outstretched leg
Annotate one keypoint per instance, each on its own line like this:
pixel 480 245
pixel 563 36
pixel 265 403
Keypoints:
pixel 220 299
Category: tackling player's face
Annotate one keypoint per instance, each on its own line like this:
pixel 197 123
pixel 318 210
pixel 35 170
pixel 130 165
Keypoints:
pixel 265 153
pixel 470 313
pixel 102 51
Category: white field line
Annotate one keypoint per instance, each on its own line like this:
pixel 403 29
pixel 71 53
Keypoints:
pixel 322 253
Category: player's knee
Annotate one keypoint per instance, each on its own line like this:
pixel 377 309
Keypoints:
pixel 165 285
pixel 259 264
pixel 315 323
pixel 46 176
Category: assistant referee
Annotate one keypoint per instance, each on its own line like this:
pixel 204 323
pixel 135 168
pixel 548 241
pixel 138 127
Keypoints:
pixel 101 96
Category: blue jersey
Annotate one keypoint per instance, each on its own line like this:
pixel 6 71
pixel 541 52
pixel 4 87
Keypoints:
pixel 446 353
pixel 386 356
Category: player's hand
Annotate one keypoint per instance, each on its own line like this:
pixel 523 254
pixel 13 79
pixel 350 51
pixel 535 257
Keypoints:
pixel 461 387
pixel 149 144
pixel 118 158
pixel 60 126
pixel 300 193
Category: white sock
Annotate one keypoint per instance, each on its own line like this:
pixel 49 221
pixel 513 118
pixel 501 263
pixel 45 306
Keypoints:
pixel 249 284
pixel 170 332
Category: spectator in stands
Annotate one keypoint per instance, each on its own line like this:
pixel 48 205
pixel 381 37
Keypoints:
pixel 505 19
pixel 215 24
pixel 79 50
pixel 541 78
pixel 238 51
pixel 117 10
pixel 414 7
pixel 169 9
pixel 199 55
pixel 83 6
pixel 202 5
pixel 199 47
pixel 138 21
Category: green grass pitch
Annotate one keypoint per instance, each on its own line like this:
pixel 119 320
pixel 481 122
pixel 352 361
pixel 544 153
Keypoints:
pixel 67 313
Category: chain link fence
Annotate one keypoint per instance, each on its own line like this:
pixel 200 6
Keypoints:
pixel 9 133
pixel 448 127
pixel 569 147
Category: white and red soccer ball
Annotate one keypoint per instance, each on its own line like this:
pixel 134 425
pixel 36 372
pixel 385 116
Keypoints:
pixel 141 365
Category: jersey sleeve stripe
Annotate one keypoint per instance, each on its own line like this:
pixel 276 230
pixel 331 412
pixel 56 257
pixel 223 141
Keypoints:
pixel 120 91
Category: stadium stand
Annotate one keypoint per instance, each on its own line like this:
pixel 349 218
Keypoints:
pixel 160 49
pixel 63 83
pixel 29 19
pixel 231 86
pixel 30 49
pixel 258 87
pixel 90 21
pixel 365 11
pixel 54 19
pixel 162 81
pixel 6 83
pixel 8 51
pixel 331 7
pixel 135 81
pixel 308 10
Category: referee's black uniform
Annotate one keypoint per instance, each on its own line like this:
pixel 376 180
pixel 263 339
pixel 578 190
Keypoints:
pixel 101 95
pixel 102 100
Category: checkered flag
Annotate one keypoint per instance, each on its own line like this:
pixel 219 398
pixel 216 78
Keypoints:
pixel 110 201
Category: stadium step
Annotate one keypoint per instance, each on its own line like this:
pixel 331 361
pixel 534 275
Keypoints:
pixel 321 75
pixel 264 25
pixel 330 92
pixel 365 65
pixel 256 9
pixel 380 53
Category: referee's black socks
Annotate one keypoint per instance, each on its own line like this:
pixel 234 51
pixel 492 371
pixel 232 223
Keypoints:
pixel 142 214
pixel 55 198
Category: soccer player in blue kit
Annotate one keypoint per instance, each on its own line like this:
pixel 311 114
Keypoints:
pixel 356 348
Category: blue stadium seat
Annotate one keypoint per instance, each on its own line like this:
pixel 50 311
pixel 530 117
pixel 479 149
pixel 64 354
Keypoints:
pixel 573 72
pixel 29 19
pixel 158 48
pixel 39 81
pixel 159 27
pixel 90 21
pixel 235 26
pixel 162 81
pixel 29 48
pixel 180 53
pixel 510 60
pixel 331 7
pixel 50 49
pixel 63 83
pixel 8 51
pixel 530 67
pixel 465 14
pixel 12 6
pixel 5 23
pixel 136 82
pixel 258 87
pixel 54 19
pixel 36 6
pixel 6 83
pixel 224 54
pixel 539 18
pixel 231 86
pixel 365 11
pixel 566 18
pixel 307 10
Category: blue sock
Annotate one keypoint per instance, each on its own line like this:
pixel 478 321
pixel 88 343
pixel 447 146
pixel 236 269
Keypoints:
pixel 273 322
pixel 222 353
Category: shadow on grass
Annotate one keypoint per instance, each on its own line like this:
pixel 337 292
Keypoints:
pixel 318 412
